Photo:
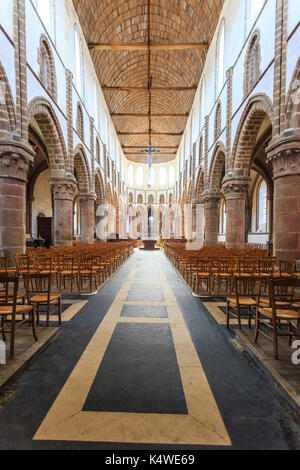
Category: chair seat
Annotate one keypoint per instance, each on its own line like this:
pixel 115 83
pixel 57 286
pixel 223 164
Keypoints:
pixel 66 272
pixel 265 301
pixel 222 274
pixel 44 297
pixel 243 301
pixel 202 274
pixel 282 275
pixel 7 309
pixel 281 314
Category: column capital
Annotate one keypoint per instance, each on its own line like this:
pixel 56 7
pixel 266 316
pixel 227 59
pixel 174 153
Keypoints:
pixel 235 188
pixel 87 197
pixel 63 189
pixel 211 196
pixel 284 155
pixel 15 159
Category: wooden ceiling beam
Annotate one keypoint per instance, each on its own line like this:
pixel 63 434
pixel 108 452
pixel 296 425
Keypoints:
pixel 147 90
pixel 184 115
pixel 154 147
pixel 95 46
pixel 137 153
pixel 152 133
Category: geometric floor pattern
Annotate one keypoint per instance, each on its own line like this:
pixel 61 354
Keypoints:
pixel 143 365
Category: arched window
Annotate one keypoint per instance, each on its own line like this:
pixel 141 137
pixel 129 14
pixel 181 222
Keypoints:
pixel 47 67
pixel 261 207
pixel 43 7
pixel 150 199
pixel 107 166
pixel 220 57
pixel 76 217
pixel 218 126
pixel 223 217
pixel 162 176
pixel 139 176
pixel 255 7
pixel 78 60
pixel 151 177
pixel 97 151
pixel 130 198
pixel 140 199
pixel 161 199
pixel 130 175
pixel 202 102
pixel 96 105
pixel 170 198
pixel 252 64
pixel 171 175
pixel 80 122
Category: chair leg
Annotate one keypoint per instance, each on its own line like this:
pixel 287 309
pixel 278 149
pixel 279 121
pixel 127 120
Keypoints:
pixel 12 337
pixel 59 311
pixel 257 322
pixel 48 314
pixel 227 315
pixel 33 324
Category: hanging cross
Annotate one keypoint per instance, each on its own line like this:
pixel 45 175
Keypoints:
pixel 149 150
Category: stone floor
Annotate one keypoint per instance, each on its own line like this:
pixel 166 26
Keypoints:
pixel 144 365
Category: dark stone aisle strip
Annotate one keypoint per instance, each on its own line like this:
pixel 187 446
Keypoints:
pixel 139 373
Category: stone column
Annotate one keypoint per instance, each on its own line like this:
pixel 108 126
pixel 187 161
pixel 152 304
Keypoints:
pixel 63 190
pixel 14 163
pixel 284 155
pixel 211 215
pixel 235 191
pixel 87 217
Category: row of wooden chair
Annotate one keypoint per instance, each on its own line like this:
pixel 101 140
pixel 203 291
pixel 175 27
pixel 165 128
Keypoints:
pixel 253 286
pixel 212 268
pixel 281 306
pixel 39 270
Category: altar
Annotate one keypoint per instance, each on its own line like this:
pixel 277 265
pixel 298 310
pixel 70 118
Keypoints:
pixel 149 244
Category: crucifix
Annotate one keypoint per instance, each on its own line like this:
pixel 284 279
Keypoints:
pixel 149 150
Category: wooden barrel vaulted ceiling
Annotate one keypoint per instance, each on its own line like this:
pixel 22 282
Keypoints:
pixel 149 56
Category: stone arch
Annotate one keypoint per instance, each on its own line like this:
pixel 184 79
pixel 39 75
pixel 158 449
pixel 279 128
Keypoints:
pixel 217 123
pixel 293 101
pixel 99 189
pixel 45 57
pixel 42 111
pixel 7 108
pixel 199 187
pixel 80 122
pixel 216 167
pixel 252 62
pixel 81 168
pixel 258 107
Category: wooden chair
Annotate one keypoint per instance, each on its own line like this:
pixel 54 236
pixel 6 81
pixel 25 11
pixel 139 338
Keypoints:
pixel 224 273
pixel 247 290
pixel 68 270
pixel 9 310
pixel 287 268
pixel 202 275
pixel 280 290
pixel 38 290
pixel 86 273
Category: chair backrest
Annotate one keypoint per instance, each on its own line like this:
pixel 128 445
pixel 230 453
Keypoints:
pixel 287 266
pixel 4 263
pixel 9 285
pixel 247 286
pixel 37 283
pixel 282 289
pixel 22 262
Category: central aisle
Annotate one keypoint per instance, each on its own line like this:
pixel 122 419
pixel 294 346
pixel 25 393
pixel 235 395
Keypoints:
pixel 144 366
